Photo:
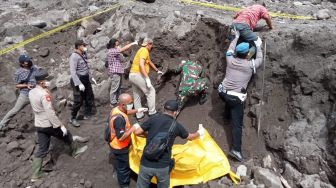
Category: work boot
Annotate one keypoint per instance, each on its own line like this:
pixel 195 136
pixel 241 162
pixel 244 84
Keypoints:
pixel 236 154
pixel 80 139
pixel 37 169
pixel 203 99
pixel 76 150
pixel 74 122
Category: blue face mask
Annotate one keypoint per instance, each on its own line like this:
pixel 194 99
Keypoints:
pixel 129 106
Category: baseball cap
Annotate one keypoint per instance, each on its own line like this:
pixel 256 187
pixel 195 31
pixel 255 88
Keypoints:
pixel 242 48
pixel 41 74
pixel 171 105
pixel 24 58
pixel 79 42
pixel 146 41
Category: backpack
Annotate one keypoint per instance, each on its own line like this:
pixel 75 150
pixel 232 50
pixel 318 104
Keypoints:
pixel 158 144
pixel 107 132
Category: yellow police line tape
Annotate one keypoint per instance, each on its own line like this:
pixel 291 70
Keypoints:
pixel 236 9
pixel 50 32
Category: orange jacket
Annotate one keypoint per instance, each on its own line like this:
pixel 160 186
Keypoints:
pixel 115 142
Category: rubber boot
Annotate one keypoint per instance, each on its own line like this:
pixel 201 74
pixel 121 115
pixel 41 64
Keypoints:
pixel 37 169
pixel 76 150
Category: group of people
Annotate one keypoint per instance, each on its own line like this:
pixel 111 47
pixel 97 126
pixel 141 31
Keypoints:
pixel 243 57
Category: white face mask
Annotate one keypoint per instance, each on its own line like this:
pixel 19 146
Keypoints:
pixel 129 106
pixel 85 49
pixel 47 84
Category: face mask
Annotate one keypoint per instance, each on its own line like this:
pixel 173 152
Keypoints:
pixel 47 84
pixel 85 49
pixel 129 106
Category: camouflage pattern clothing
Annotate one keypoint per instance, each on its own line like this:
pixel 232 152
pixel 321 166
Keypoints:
pixel 191 83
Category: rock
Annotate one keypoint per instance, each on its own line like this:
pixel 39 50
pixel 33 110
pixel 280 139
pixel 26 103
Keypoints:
pixel 58 185
pixel 200 13
pixel 102 91
pixel 297 3
pixel 44 52
pixel 7 93
pixel 62 79
pixel 215 184
pixel 266 177
pixel 38 23
pixel 93 8
pixel 90 26
pixel 80 32
pixel 99 43
pixel 12 146
pixel 9 40
pixel 292 174
pixel 267 161
pixel 177 13
pixel 22 4
pixel 74 175
pixel 82 181
pixel 88 184
pixel 241 170
pixel 323 14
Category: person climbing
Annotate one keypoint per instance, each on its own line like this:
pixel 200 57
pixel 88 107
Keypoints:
pixel 192 82
pixel 119 137
pixel 115 67
pixel 161 123
pixel 140 79
pixel 245 21
pixel 24 78
pixel 232 90
pixel 80 82
pixel 48 124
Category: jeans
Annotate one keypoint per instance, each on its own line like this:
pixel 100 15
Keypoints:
pixel 120 163
pixel 115 88
pixel 234 108
pixel 139 86
pixel 43 136
pixel 21 102
pixel 80 97
pixel 246 34
pixel 145 175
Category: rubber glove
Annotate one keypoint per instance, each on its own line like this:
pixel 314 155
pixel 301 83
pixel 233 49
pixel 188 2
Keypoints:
pixel 258 42
pixel 81 87
pixel 148 83
pixel 142 110
pixel 235 32
pixel 136 126
pixel 201 131
pixel 94 81
pixel 135 43
pixel 64 130
pixel 160 72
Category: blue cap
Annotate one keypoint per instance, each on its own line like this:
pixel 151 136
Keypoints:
pixel 24 58
pixel 242 48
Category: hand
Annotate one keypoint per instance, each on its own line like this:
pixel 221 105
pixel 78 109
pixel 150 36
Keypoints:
pixel 136 126
pixel 81 87
pixel 140 110
pixel 134 43
pixel 235 32
pixel 148 83
pixel 94 81
pixel 201 131
pixel 64 130
pixel 183 62
pixel 258 42
pixel 29 86
pixel 160 72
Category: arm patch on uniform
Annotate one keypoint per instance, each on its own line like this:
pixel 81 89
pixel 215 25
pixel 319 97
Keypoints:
pixel 48 98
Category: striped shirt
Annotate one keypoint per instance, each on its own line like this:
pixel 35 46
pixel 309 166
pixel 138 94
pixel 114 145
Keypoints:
pixel 114 61
pixel 21 75
pixel 251 15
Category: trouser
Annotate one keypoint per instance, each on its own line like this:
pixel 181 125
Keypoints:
pixel 115 88
pixel 200 86
pixel 21 102
pixel 145 175
pixel 80 97
pixel 43 136
pixel 234 107
pixel 247 35
pixel 139 86
pixel 120 163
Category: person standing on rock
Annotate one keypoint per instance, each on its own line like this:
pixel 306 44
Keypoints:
pixel 81 82
pixel 115 67
pixel 24 78
pixel 232 90
pixel 155 126
pixel 140 79
pixel 245 21
pixel 48 124
pixel 119 137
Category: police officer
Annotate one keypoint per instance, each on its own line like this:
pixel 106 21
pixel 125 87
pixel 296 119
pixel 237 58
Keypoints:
pixel 47 123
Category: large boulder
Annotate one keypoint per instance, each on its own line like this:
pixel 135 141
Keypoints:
pixel 266 177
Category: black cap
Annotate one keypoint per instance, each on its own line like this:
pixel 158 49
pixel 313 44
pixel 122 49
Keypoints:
pixel 41 74
pixel 79 42
pixel 24 58
pixel 171 105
